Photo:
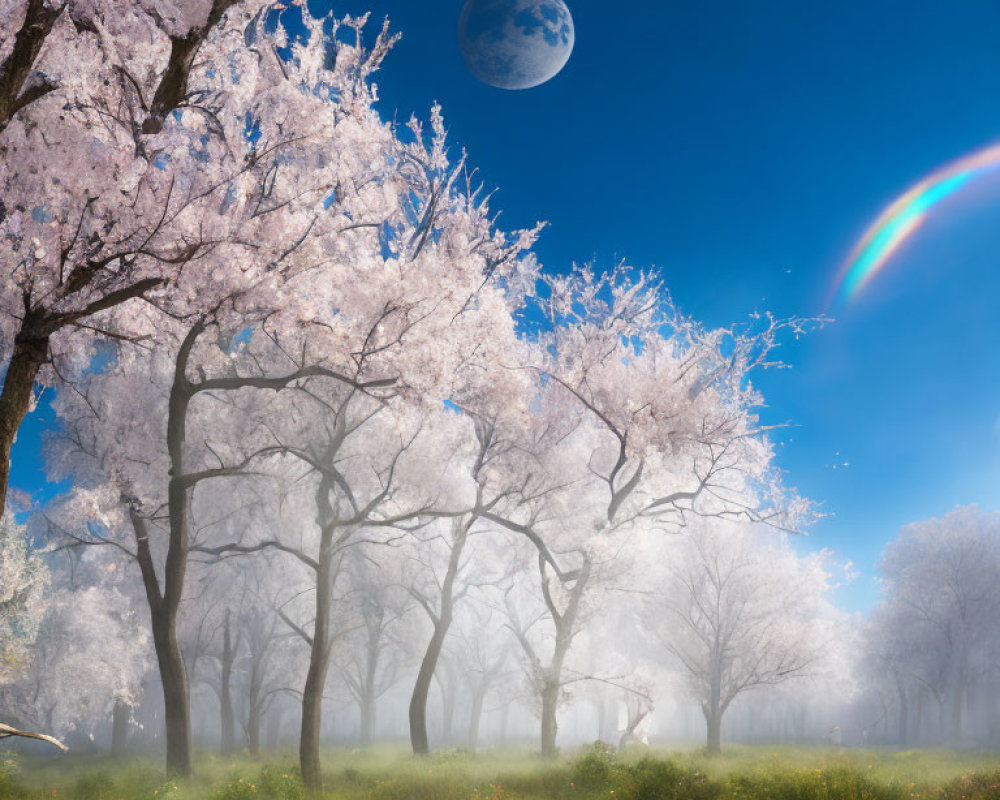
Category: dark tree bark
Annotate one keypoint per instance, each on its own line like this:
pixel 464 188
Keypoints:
pixel 175 685
pixel 15 70
pixel 421 689
pixel 169 659
pixel 319 653
pixel 31 351
pixel 715 706
pixel 177 718
pixel 173 87
pixel 441 619
pixel 31 344
pixel 164 604
pixel 19 87
pixel 419 741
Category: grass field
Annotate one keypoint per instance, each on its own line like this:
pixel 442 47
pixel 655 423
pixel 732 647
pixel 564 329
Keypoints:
pixel 742 773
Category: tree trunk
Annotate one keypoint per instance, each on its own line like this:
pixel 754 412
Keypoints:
pixel 15 398
pixel 176 702
pixel 474 718
pixel 418 700
pixel 367 707
pixel 421 689
pixel 713 708
pixel 713 719
pixel 18 66
pixel 565 629
pixel 227 718
pixel 319 662
pixel 602 719
pixel 169 659
pixel 312 701
pixel 253 731
pixel 550 727
pixel 163 606
pixel 119 729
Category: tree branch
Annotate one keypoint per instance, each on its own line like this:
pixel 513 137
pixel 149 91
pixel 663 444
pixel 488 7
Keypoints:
pixel 7 731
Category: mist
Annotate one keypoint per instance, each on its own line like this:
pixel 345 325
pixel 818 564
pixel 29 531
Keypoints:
pixel 319 460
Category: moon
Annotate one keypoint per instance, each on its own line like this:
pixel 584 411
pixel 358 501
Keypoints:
pixel 515 44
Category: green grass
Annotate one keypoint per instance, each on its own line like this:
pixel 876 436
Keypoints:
pixel 594 773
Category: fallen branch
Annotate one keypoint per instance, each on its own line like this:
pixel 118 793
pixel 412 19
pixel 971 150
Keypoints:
pixel 7 731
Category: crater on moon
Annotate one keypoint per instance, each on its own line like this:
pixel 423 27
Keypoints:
pixel 515 44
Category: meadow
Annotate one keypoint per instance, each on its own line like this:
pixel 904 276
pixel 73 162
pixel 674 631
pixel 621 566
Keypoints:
pixel 741 773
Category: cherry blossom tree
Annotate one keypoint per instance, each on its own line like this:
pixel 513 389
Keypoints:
pixel 930 635
pixel 642 420
pixel 563 609
pixel 149 147
pixel 738 613
pixel 441 575
pixel 368 473
pixel 360 242
pixel 105 197
pixel 436 592
pixel 23 580
pixel 313 353
pixel 371 659
pixel 90 656
pixel 373 464
pixel 482 649
pixel 212 640
pixel 265 669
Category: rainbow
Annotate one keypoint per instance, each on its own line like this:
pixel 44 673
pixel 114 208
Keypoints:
pixel 903 217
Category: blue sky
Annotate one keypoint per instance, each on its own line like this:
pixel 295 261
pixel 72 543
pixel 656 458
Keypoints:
pixel 742 148
pixel 729 142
